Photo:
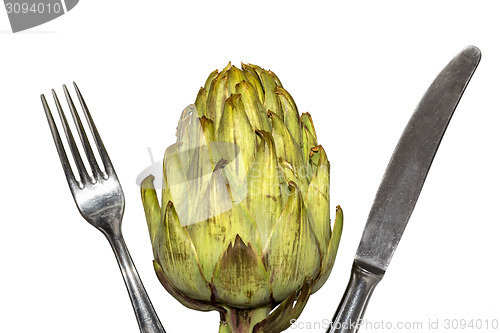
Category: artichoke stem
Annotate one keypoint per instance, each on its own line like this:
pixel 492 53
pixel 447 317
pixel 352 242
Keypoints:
pixel 242 320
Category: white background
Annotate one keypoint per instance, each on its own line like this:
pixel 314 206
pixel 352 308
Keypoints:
pixel 359 67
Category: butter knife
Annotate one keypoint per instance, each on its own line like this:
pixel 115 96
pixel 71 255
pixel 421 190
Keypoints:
pixel 401 186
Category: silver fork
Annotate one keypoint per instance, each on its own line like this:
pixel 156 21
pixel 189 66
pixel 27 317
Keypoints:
pixel 100 199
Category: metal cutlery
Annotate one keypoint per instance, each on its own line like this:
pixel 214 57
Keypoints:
pixel 401 186
pixel 100 199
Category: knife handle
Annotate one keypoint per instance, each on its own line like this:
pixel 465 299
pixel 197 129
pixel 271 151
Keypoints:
pixel 352 307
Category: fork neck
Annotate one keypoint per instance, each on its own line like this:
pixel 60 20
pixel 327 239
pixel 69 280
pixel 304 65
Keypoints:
pixel 112 231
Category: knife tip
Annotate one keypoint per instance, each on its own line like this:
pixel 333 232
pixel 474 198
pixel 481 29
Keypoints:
pixel 472 51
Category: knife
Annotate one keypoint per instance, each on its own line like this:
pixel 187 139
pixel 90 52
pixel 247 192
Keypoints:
pixel 400 187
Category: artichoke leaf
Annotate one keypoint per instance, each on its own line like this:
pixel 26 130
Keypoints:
pixel 269 86
pixel 290 114
pixel 307 121
pixel 253 79
pixel 253 106
pixel 286 146
pixel 292 252
pixel 224 221
pixel 210 78
pixel 174 182
pixel 263 185
pixel 201 103
pixel 317 203
pixel 289 154
pixel 275 77
pixel 236 128
pixel 217 95
pixel 331 254
pixel 151 206
pixel 180 297
pixel 207 126
pixel 291 308
pixel 177 256
pixel 240 278
pixel 198 178
pixel 235 76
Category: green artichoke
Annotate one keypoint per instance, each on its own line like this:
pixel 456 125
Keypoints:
pixel 244 222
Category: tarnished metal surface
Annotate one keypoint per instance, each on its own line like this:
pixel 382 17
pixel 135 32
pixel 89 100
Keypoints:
pixel 400 187
pixel 101 201
pixel 411 160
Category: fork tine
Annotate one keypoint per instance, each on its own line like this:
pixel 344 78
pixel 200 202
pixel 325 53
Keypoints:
pixel 97 138
pixel 84 176
pixel 83 136
pixel 70 177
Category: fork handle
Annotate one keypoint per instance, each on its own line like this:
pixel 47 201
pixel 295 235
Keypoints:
pixel 144 312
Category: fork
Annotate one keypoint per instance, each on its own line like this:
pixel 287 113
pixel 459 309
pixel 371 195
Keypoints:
pixel 100 199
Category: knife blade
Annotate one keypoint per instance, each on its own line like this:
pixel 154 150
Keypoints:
pixel 401 185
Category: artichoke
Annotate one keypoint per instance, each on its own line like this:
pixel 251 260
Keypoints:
pixel 244 222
